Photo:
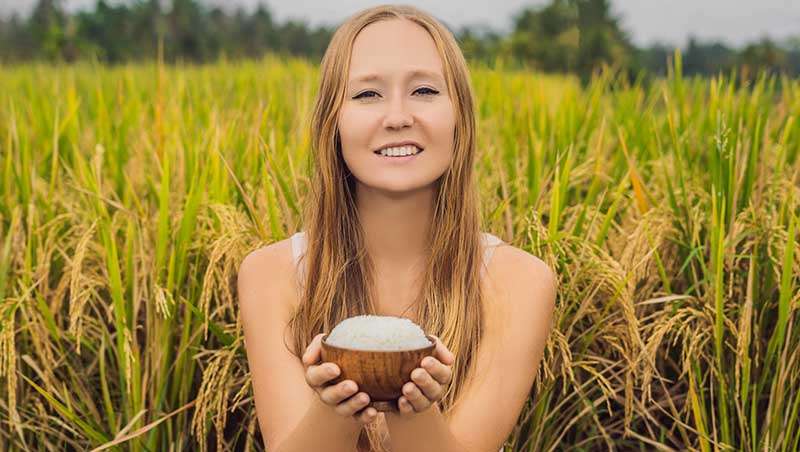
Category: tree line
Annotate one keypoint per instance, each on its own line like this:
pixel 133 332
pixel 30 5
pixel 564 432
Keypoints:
pixel 574 36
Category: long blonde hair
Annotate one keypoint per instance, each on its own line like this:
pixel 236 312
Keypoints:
pixel 338 280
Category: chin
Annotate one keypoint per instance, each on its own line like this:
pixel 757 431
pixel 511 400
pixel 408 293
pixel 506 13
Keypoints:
pixel 399 188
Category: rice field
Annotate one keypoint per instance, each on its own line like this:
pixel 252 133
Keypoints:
pixel 129 195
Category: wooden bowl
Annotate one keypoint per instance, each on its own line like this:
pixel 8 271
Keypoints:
pixel 379 373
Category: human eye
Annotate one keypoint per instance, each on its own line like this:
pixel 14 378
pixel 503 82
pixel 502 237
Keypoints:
pixel 361 94
pixel 431 91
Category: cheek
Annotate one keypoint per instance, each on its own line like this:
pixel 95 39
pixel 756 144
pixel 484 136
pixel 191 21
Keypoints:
pixel 353 127
pixel 443 121
pixel 345 126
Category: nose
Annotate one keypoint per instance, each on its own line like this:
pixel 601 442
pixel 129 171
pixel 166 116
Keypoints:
pixel 398 115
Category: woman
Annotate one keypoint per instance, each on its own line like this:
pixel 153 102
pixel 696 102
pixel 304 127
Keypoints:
pixel 399 236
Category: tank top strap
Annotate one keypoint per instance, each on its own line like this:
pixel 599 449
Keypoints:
pixel 299 243
pixel 490 242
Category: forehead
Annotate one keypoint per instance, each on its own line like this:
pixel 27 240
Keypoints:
pixel 393 46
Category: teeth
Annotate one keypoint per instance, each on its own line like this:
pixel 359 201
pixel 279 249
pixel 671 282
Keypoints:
pixel 400 151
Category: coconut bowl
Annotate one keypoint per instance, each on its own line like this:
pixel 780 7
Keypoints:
pixel 379 373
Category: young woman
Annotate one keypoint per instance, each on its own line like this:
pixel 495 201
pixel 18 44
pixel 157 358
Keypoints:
pixel 394 236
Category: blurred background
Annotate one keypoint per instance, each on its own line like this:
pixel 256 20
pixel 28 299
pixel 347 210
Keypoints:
pixel 551 36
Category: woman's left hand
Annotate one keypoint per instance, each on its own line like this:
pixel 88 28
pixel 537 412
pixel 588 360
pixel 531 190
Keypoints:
pixel 427 383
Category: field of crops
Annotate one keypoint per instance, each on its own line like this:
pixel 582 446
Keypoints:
pixel 129 195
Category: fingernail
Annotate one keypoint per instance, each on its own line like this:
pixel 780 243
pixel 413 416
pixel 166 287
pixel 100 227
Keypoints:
pixel 427 362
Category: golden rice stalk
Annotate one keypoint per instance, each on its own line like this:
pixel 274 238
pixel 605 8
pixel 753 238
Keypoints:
pixel 8 368
pixel 79 293
pixel 212 398
pixel 227 246
pixel 164 301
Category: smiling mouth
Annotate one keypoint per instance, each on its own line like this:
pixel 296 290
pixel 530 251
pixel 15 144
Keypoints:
pixel 419 151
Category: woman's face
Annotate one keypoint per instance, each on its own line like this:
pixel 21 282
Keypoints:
pixel 388 102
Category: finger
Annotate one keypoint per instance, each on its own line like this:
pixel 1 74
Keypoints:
pixel 443 353
pixel 424 382
pixel 366 415
pixel 312 353
pixel 417 399
pixel 406 409
pixel 317 376
pixel 336 394
pixel 353 405
pixel 440 372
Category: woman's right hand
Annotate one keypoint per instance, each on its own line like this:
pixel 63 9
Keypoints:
pixel 340 397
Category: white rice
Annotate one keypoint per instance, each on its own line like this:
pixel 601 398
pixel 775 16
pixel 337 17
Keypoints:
pixel 375 332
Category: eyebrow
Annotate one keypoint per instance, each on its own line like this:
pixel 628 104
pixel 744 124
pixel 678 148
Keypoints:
pixel 416 73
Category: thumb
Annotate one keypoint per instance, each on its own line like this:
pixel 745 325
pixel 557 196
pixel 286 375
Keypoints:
pixel 311 355
pixel 444 355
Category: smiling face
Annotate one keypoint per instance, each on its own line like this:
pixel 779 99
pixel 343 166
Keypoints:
pixel 395 92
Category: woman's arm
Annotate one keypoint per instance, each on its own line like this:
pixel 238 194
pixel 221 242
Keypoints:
pixel 322 429
pixel 290 414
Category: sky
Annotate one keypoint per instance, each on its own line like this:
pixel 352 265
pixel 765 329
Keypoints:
pixel 670 22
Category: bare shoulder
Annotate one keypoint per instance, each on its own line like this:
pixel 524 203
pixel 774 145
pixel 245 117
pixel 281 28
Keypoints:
pixel 266 268
pixel 523 266
pixel 273 257
pixel 523 280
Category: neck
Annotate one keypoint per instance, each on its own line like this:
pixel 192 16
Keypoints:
pixel 396 227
